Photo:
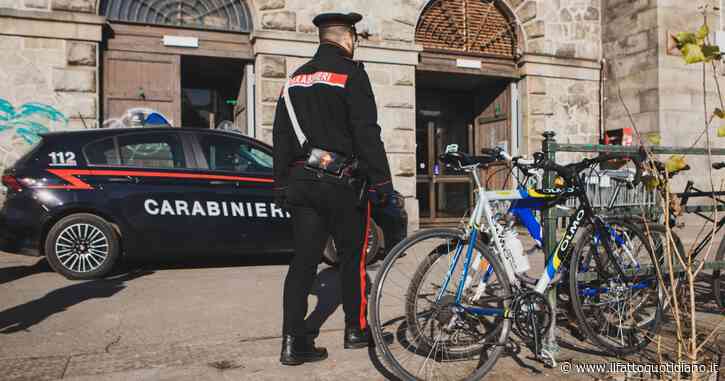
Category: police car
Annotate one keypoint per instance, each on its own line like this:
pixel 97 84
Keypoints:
pixel 85 198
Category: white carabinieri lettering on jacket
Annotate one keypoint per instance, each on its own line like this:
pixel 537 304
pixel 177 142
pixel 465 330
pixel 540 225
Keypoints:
pixel 319 78
pixel 213 209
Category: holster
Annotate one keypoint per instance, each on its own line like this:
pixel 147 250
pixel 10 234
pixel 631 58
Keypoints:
pixel 330 163
pixel 326 163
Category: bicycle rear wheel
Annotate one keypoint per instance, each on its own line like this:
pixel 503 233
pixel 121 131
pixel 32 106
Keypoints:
pixel 616 315
pixel 433 337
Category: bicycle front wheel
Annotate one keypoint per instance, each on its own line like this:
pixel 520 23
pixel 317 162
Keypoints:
pixel 417 324
pixel 618 315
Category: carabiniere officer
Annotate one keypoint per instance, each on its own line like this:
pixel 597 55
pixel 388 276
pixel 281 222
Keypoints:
pixel 323 170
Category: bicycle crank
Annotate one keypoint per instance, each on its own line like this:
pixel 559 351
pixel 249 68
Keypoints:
pixel 532 317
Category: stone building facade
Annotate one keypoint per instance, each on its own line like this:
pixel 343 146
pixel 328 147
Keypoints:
pixel 62 54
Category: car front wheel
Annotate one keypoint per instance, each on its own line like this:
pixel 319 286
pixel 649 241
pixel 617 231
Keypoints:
pixel 82 246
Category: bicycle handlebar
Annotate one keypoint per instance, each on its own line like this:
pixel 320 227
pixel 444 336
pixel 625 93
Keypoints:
pixel 568 172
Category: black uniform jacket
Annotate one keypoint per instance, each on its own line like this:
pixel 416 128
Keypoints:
pixel 335 106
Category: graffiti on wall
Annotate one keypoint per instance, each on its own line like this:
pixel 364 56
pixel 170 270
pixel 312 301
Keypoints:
pixel 29 120
pixel 21 127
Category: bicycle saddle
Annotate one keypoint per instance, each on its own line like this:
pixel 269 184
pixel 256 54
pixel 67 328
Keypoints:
pixel 463 160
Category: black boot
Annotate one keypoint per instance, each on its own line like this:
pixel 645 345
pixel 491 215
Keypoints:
pixel 300 349
pixel 356 338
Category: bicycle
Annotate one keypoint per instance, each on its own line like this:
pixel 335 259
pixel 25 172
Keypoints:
pixel 468 328
pixel 692 192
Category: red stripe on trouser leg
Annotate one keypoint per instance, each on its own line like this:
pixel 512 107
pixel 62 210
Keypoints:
pixel 363 280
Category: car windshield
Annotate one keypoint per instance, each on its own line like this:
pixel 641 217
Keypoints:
pixel 260 158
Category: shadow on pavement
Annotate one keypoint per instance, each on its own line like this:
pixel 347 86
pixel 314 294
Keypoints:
pixel 10 274
pixel 26 315
pixel 201 262
pixel 327 290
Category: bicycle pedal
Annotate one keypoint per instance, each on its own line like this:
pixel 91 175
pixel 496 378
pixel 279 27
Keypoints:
pixel 547 358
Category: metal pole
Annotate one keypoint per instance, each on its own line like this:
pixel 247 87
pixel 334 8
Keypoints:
pixel 550 349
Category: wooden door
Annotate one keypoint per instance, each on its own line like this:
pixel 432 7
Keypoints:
pixel 493 129
pixel 240 108
pixel 132 79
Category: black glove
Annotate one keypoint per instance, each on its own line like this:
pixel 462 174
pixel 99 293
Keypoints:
pixel 379 195
pixel 280 198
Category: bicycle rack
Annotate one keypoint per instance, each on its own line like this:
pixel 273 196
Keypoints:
pixel 550 147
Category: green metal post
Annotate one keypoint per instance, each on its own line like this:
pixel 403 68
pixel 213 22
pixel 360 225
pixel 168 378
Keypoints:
pixel 548 147
pixel 550 348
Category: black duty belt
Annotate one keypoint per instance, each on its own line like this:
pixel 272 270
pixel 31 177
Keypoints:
pixel 331 164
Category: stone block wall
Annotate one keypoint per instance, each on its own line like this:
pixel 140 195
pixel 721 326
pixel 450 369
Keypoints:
pixel 630 43
pixel 565 28
pixel 559 89
pixel 53 73
pixel 50 74
pixel 681 104
pixel 84 6
pixel 663 94
pixel 569 107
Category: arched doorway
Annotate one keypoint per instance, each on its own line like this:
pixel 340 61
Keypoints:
pixel 465 95
pixel 187 59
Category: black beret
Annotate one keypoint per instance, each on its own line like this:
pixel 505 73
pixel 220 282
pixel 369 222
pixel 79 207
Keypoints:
pixel 327 19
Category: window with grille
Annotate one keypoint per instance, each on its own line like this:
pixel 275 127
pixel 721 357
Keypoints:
pixel 230 15
pixel 467 26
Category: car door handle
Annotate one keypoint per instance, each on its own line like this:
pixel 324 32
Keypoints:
pixel 124 179
pixel 218 182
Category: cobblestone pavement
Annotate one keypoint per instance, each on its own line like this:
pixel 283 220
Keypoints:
pixel 193 321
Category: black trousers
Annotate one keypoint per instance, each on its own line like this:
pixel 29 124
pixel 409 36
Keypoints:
pixel 324 207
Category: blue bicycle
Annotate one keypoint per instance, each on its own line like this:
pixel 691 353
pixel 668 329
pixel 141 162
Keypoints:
pixel 451 297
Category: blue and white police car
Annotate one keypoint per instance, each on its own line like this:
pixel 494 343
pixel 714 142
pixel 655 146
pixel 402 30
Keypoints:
pixel 85 198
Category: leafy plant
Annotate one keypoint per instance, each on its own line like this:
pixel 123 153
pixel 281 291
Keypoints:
pixel 695 46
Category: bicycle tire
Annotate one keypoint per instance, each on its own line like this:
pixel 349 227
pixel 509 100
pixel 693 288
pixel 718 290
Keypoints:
pixel 411 304
pixel 659 251
pixel 584 317
pixel 401 250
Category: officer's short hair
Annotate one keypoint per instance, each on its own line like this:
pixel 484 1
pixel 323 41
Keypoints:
pixel 335 32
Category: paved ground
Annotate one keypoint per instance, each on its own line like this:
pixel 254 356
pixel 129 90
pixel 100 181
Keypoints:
pixel 193 321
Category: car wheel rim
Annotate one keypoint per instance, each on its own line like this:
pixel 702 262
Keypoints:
pixel 81 248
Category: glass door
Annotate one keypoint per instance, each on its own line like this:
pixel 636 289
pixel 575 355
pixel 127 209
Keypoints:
pixel 442 119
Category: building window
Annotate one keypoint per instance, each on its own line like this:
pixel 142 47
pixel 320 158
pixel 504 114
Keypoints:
pixel 477 27
pixel 230 15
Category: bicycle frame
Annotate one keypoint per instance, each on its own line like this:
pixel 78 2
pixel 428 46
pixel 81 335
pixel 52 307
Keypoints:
pixel 692 192
pixel 482 210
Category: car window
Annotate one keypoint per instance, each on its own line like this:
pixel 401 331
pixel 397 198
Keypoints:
pixel 228 154
pixel 151 150
pixel 102 153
